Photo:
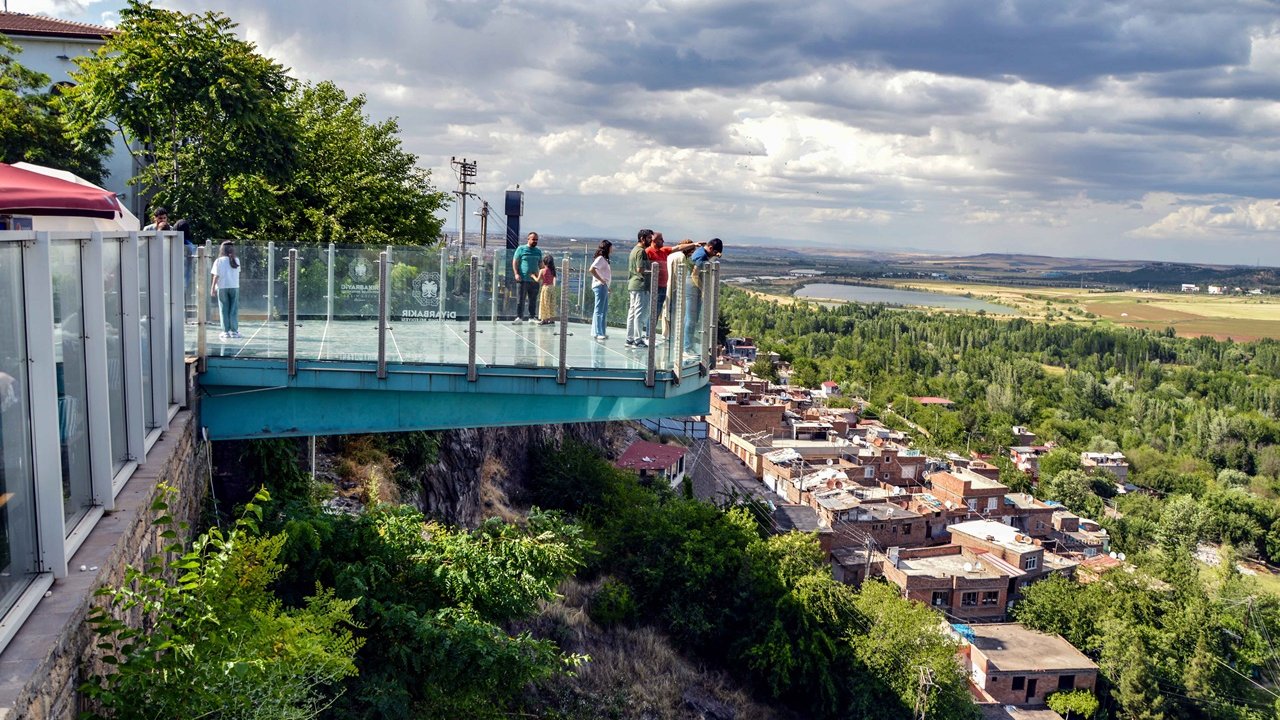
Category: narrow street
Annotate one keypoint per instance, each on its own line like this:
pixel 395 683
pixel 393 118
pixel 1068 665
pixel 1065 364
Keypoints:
pixel 717 473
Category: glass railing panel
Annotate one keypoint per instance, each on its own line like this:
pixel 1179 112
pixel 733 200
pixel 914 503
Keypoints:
pixel 18 547
pixel 72 381
pixel 247 324
pixel 425 324
pixel 112 254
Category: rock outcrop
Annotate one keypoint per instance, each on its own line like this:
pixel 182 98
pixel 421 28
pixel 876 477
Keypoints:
pixel 482 472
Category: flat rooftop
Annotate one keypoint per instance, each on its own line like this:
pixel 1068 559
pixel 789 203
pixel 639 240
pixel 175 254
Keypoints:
pixel 976 481
pixel 1012 647
pixel 953 565
pixel 999 533
pixel 1025 501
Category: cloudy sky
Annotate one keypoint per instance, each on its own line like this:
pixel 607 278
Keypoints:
pixel 1108 128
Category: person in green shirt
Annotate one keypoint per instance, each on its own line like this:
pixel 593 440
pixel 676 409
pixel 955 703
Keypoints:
pixel 525 264
pixel 638 289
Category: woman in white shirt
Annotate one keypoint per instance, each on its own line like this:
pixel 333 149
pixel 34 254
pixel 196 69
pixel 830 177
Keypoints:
pixel 226 287
pixel 601 275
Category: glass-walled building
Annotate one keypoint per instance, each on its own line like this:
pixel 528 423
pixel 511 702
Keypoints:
pixel 91 372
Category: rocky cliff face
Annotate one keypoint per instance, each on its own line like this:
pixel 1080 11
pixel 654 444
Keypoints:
pixel 481 472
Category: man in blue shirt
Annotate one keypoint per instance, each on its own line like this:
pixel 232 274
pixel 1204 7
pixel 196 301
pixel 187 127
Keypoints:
pixel 524 264
pixel 713 248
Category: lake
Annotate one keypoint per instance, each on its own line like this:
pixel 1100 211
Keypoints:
pixel 893 296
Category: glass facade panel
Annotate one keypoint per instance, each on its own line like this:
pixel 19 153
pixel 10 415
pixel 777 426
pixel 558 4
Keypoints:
pixel 115 354
pixel 17 477
pixel 144 315
pixel 73 394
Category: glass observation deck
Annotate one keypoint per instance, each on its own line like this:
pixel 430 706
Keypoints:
pixel 356 320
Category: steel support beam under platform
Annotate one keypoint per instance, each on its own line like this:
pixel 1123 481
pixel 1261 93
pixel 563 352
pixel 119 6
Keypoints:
pixel 243 399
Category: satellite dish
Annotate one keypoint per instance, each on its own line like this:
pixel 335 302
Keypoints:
pixel 830 462
pixel 1121 557
pixel 1113 554
pixel 978 566
pixel 968 567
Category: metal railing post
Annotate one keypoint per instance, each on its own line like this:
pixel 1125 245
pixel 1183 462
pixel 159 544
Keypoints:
pixel 682 290
pixel 271 279
pixel 382 315
pixel 390 257
pixel 650 371
pixel 471 321
pixel 329 293
pixel 493 298
pixel 444 281
pixel 562 369
pixel 293 312
pixel 713 314
pixel 202 304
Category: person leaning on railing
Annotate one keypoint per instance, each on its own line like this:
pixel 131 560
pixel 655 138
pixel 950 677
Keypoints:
pixel 713 248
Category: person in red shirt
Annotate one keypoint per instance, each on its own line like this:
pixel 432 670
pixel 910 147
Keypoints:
pixel 658 252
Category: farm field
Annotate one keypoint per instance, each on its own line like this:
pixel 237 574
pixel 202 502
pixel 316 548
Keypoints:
pixel 1239 318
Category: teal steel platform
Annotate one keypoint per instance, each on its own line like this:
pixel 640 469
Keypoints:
pixel 341 368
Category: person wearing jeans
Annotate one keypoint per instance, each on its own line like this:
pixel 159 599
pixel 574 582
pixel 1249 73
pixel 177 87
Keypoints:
pixel 638 289
pixel 226 287
pixel 601 275
pixel 525 264
pixel 693 290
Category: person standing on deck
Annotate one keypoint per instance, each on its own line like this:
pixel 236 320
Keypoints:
pixel 638 289
pixel 601 276
pixel 525 264
pixel 713 248
pixel 226 288
pixel 547 295
pixel 657 253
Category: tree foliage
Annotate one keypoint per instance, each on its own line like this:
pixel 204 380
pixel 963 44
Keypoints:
pixel 217 642
pixel 765 607
pixel 207 110
pixel 34 127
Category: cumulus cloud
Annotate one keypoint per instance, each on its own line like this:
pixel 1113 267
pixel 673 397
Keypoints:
pixel 1257 217
pixel 953 125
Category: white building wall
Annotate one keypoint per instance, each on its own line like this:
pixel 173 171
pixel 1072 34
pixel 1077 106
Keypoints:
pixel 46 55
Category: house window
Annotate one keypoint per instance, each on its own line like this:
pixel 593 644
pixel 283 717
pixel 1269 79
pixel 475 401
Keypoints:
pixel 1032 563
pixel 991 597
pixel 1066 682
pixel 969 599
pixel 1018 682
pixel 972 503
pixel 894 529
pixel 906 528
pixel 886 476
pixel 941 598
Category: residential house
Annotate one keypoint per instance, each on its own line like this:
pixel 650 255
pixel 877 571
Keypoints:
pixel 655 461
pixel 740 349
pixel 1022 435
pixel 853 565
pixel 1022 551
pixel 1079 536
pixel 967 586
pixel 964 488
pixel 1114 463
pixel 1028 514
pixel 855 515
pixel 1027 457
pixel 1009 664
pixel 933 400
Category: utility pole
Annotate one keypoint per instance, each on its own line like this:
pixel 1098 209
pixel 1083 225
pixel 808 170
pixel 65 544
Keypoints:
pixel 465 170
pixel 484 226
pixel 922 693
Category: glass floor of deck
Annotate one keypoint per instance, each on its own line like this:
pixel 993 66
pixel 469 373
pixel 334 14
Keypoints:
pixel 499 344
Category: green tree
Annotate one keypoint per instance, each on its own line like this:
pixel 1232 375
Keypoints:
pixel 217 641
pixel 33 127
pixel 1073 489
pixel 1073 704
pixel 207 110
pixel 353 182
pixel 1057 460
pixel 1127 661
pixel 762 368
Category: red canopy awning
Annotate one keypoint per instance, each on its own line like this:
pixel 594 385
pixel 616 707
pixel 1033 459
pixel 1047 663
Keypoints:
pixel 27 193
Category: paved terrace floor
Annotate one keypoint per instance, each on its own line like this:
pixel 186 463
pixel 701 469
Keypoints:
pixel 500 344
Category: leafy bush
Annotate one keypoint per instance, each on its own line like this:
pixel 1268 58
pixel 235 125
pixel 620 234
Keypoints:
pixel 612 604
pixel 215 642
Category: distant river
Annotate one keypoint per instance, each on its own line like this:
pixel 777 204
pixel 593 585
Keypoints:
pixel 892 296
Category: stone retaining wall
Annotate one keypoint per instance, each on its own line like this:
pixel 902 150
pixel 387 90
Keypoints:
pixel 41 668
